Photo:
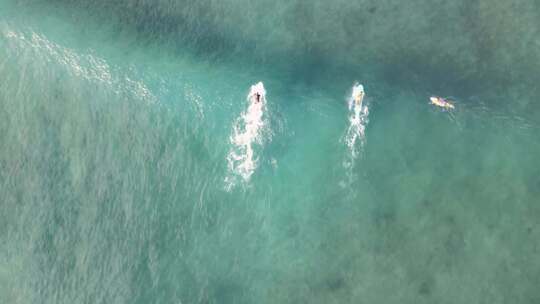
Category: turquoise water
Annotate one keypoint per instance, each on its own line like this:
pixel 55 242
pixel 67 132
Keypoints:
pixel 116 123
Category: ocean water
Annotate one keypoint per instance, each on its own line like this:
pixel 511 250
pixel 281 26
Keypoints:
pixel 134 170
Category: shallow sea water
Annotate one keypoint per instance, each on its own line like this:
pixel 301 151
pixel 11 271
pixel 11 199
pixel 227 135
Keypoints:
pixel 116 123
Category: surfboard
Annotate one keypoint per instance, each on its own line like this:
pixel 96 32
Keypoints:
pixel 441 102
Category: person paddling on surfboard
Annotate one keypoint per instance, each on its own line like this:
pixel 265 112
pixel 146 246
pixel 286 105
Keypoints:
pixel 257 93
pixel 441 102
pixel 358 94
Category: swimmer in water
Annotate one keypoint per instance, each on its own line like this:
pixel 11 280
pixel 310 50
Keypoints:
pixel 441 102
pixel 257 97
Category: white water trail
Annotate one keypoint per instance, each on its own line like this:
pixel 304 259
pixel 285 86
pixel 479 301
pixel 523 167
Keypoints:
pixel 246 134
pixel 355 137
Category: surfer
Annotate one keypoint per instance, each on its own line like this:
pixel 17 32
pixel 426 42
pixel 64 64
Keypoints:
pixel 358 94
pixel 441 102
pixel 257 93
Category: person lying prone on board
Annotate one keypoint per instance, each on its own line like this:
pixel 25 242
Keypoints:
pixel 358 94
pixel 441 102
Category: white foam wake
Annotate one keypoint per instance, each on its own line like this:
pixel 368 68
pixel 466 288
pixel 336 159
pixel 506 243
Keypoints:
pixel 355 137
pixel 245 135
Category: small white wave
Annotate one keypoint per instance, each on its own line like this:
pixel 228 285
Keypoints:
pixel 247 132
pixel 79 65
